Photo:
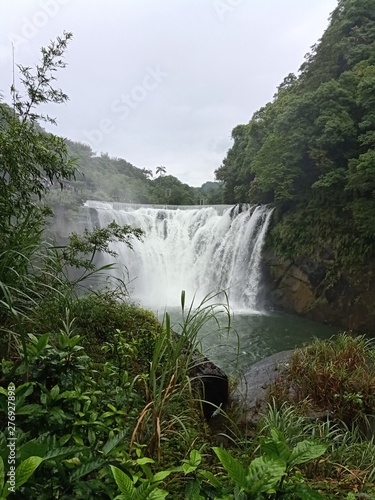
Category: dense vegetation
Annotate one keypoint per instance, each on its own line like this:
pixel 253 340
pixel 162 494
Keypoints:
pixel 311 151
pixel 100 177
pixel 96 396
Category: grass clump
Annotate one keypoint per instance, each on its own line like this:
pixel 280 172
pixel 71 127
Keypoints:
pixel 334 377
pixel 346 467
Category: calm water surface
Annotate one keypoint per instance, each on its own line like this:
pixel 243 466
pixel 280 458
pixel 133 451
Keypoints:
pixel 253 337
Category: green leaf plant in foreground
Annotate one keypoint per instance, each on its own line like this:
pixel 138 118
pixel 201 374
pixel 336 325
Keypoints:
pixel 271 473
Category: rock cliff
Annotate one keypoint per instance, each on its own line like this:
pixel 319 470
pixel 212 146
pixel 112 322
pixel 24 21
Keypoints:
pixel 311 289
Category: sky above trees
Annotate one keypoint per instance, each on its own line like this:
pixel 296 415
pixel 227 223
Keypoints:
pixel 163 81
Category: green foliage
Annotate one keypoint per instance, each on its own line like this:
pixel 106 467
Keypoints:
pixel 30 161
pixel 115 179
pixel 348 462
pixel 97 240
pixel 34 275
pixel 270 474
pixel 338 376
pixel 99 316
pixel 311 151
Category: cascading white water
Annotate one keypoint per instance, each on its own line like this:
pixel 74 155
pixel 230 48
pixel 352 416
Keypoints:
pixel 199 250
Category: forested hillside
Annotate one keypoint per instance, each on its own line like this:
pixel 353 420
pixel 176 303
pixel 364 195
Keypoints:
pixel 311 151
pixel 102 177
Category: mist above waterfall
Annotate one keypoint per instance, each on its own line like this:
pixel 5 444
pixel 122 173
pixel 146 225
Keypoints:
pixel 199 250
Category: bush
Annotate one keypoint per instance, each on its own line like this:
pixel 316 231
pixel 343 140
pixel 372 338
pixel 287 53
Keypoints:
pixel 100 315
pixel 336 377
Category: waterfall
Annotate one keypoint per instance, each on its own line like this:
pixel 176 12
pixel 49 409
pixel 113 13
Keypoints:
pixel 196 249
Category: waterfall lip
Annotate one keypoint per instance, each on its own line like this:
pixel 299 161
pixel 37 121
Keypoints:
pixel 115 205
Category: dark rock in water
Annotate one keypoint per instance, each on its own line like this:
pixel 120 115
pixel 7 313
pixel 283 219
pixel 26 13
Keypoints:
pixel 211 383
pixel 252 389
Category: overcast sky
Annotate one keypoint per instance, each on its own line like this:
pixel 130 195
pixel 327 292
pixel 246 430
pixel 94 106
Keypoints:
pixel 163 82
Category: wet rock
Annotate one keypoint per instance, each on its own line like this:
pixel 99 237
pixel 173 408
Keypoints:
pixel 211 383
pixel 252 389
pixel 308 288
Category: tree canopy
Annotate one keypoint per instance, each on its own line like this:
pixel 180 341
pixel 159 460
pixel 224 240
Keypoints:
pixel 311 151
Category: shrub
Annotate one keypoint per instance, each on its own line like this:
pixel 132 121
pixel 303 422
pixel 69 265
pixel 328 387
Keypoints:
pixel 336 376
pixel 100 315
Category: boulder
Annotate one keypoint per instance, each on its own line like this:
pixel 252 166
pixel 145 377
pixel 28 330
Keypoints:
pixel 211 383
pixel 252 389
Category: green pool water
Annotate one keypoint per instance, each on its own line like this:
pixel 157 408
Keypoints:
pixel 252 337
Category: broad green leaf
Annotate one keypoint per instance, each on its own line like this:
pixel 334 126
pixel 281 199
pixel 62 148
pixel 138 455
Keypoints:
pixel 93 417
pixel 157 494
pixel 277 435
pixel 107 414
pixel 192 490
pixel 26 469
pixel 72 461
pixel 187 468
pixel 86 468
pixel 305 451
pixel 78 440
pixel 275 448
pixel 55 391
pixel 213 480
pixel 144 461
pixel 195 458
pixel 32 409
pixel 3 391
pixel 58 414
pixel 160 476
pixel 67 395
pixel 112 443
pixel 32 448
pixel 264 475
pixel 143 492
pixel 233 467
pixel 59 453
pixel 42 342
pixel 124 482
pixel 24 390
pixel 64 439
pixel 92 436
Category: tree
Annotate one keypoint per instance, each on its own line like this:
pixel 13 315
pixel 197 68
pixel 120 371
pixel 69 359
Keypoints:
pixel 311 151
pixel 161 170
pixel 148 173
pixel 31 161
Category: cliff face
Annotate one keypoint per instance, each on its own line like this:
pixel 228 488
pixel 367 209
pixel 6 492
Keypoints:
pixel 306 288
